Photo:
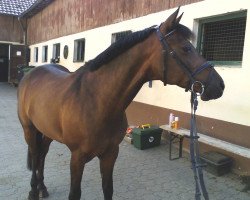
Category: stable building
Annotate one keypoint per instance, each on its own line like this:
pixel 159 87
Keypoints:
pixel 14 49
pixel 72 32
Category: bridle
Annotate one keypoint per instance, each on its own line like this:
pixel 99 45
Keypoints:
pixel 194 145
pixel 167 50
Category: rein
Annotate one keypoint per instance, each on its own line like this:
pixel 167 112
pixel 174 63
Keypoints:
pixel 194 145
pixel 194 150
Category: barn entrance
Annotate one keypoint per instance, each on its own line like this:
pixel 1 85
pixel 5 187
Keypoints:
pixel 10 57
pixel 17 57
pixel 4 64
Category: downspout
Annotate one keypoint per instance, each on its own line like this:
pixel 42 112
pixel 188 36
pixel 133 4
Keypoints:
pixel 24 29
pixel 24 16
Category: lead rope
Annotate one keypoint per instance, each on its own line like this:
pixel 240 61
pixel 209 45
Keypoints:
pixel 194 152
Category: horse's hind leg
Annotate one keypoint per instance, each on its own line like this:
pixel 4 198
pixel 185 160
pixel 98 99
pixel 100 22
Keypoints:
pixel 33 138
pixel 44 148
pixel 107 162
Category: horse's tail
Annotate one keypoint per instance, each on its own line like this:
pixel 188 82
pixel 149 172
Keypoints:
pixel 29 161
pixel 38 146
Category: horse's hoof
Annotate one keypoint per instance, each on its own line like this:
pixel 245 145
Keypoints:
pixel 33 195
pixel 43 193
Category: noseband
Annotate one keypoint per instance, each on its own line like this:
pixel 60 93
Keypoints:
pixel 167 50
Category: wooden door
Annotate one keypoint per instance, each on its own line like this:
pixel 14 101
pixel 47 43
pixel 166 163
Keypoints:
pixel 17 57
pixel 4 65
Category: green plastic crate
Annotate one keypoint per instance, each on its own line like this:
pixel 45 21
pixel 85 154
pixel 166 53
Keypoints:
pixel 147 137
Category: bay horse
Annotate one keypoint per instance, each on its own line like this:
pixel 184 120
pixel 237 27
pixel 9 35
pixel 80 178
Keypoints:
pixel 85 110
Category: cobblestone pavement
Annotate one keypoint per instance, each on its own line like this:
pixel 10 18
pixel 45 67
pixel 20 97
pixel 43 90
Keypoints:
pixel 138 175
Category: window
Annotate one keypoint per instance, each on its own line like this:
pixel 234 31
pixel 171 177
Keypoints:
pixel 79 50
pixel 36 54
pixel 56 51
pixel 45 54
pixel 28 55
pixel 221 39
pixel 120 35
pixel 65 51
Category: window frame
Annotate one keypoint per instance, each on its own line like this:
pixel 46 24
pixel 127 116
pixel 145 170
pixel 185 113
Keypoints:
pixel 202 21
pixel 45 53
pixel 114 35
pixel 36 51
pixel 79 56
pixel 56 50
pixel 28 55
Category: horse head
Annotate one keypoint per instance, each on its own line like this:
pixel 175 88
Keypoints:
pixel 181 63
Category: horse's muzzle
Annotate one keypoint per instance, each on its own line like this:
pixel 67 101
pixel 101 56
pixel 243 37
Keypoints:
pixel 214 90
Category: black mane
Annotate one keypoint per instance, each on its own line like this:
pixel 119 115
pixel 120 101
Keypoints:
pixel 126 43
pixel 118 48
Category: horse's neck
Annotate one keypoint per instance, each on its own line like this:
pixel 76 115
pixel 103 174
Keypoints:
pixel 117 83
pixel 124 77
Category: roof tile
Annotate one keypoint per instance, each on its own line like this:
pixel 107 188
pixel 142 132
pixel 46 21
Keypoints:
pixel 15 7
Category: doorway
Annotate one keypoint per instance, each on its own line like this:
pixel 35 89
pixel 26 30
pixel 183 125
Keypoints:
pixel 4 64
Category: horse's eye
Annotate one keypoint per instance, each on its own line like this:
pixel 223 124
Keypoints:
pixel 187 49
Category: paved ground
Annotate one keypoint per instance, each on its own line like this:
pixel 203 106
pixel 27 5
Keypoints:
pixel 138 175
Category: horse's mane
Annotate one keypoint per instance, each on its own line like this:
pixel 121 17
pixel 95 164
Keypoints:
pixel 118 48
pixel 126 43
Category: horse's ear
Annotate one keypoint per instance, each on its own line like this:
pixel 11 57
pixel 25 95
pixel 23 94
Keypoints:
pixel 177 21
pixel 171 21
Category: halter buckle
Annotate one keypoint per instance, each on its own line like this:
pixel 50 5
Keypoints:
pixel 172 53
pixel 201 86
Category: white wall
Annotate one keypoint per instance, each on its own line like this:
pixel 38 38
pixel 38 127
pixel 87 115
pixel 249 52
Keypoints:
pixel 234 106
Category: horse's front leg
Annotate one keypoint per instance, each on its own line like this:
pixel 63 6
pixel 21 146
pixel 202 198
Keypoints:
pixel 107 162
pixel 76 169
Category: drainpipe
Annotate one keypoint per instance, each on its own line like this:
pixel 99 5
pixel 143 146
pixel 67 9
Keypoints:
pixel 24 29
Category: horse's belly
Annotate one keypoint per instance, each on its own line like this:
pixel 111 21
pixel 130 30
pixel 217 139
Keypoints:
pixel 46 119
pixel 48 128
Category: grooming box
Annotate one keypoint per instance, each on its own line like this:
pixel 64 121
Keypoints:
pixel 146 136
pixel 217 163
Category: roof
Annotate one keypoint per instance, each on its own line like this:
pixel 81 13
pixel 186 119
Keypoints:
pixel 22 8
pixel 15 7
pixel 35 8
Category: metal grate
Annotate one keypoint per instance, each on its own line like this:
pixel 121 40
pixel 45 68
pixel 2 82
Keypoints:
pixel 120 35
pixel 223 40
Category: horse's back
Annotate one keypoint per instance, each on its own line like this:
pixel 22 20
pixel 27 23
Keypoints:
pixel 42 78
